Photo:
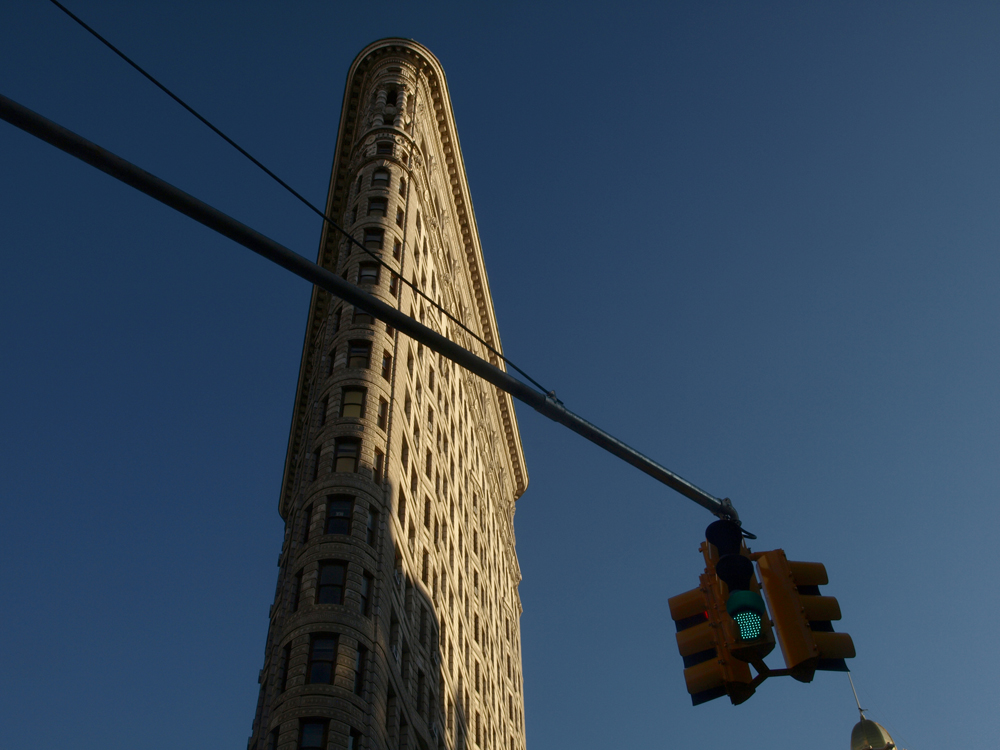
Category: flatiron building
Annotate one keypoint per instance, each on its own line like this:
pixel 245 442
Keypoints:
pixel 395 622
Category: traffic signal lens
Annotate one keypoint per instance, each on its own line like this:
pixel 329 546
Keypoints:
pixel 747 609
pixel 749 623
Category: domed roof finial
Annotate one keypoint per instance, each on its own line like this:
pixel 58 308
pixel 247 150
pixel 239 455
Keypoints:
pixel 867 734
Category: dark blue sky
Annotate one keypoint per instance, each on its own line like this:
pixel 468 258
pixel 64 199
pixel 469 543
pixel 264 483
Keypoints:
pixel 758 242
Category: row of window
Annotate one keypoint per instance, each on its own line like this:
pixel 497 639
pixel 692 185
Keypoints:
pixel 382 178
pixel 360 317
pixel 339 519
pixel 359 357
pixel 322 665
pixel 331 586
pixel 374 237
pixel 346 456
pixel 353 401
pixel 313 735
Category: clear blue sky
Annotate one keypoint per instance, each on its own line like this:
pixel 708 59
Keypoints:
pixel 757 241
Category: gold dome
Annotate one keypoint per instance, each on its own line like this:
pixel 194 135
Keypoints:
pixel 868 735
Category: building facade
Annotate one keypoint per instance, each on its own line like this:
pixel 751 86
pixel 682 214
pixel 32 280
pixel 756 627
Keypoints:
pixel 395 623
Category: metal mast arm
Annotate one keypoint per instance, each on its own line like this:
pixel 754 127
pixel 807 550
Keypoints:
pixel 75 145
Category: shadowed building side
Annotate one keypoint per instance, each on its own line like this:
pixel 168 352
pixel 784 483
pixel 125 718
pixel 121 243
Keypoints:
pixel 395 622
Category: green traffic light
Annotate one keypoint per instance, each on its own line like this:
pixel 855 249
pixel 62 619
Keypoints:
pixel 747 609
pixel 749 624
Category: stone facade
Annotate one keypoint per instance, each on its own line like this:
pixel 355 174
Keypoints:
pixel 395 622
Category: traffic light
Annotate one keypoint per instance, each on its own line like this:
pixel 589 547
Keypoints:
pixel 802 617
pixel 710 670
pixel 751 639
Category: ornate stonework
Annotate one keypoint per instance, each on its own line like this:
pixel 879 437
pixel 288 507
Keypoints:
pixel 395 621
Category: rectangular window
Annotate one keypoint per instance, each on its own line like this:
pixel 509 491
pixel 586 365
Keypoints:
pixel 401 508
pixel 413 479
pixel 420 692
pixel 330 362
pixel 380 178
pixel 286 656
pixel 306 522
pixel 393 284
pixel 377 206
pixel 429 470
pixel 359 354
pixel 404 456
pixel 374 238
pixel 378 466
pixel 352 403
pixel 402 186
pixel 339 509
pixel 397 249
pixel 361 318
pixel 354 740
pixel 366 589
pixel 315 464
pixel 272 739
pixel 323 405
pixel 312 734
pixel 427 512
pixel 296 592
pixel 322 658
pixel 399 217
pixel 359 669
pixel 383 147
pixel 345 454
pixel 387 366
pixel 383 413
pixel 331 581
pixel 368 273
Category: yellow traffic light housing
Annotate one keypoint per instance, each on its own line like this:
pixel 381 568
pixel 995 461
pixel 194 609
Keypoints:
pixel 802 617
pixel 723 626
pixel 729 564
pixel 710 670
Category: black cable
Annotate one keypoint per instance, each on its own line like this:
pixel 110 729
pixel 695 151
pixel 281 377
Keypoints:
pixel 294 192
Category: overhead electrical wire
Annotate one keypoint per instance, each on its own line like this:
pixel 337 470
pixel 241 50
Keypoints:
pixel 305 201
pixel 543 401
